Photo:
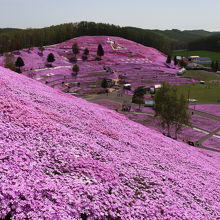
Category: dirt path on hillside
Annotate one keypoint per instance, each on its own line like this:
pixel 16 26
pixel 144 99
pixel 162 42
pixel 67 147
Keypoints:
pixel 211 134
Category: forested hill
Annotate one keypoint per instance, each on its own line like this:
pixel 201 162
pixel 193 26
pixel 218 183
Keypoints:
pixel 7 30
pixel 211 43
pixel 13 39
pixel 181 39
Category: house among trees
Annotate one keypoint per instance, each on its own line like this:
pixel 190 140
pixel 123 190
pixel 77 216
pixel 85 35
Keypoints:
pixel 108 69
pixel 179 58
pixel 198 59
pixel 193 58
pixel 127 86
pixel 149 103
pixel 197 66
pixel 154 88
pixel 204 60
pixel 107 83
pixel 181 71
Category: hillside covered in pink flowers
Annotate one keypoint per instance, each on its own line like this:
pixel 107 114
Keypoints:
pixel 128 61
pixel 64 158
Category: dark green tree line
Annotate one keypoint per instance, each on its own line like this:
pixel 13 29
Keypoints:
pixel 18 39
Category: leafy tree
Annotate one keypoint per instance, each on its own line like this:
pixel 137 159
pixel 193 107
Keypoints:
pixel 183 63
pixel 181 114
pixel 216 67
pixel 85 54
pixel 168 61
pixel 164 106
pixel 104 83
pixel 140 91
pixel 41 49
pixel 50 58
pixel 19 63
pixel 213 65
pixel 171 109
pixel 86 51
pixel 175 61
pixel 100 51
pixel 84 57
pixel 138 96
pixel 76 69
pixel 9 62
pixel 75 49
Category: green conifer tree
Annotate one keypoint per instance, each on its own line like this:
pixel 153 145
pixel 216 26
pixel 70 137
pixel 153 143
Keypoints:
pixel 75 69
pixel 100 51
pixel 75 49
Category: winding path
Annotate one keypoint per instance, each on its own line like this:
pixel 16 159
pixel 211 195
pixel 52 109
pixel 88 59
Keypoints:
pixel 210 134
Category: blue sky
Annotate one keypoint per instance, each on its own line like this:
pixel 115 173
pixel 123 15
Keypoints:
pixel 154 14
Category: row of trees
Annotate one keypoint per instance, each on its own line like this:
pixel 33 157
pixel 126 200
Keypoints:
pixel 138 96
pixel 76 50
pixel 51 58
pixel 19 63
pixel 17 39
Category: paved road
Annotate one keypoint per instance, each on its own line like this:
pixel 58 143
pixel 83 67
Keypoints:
pixel 206 115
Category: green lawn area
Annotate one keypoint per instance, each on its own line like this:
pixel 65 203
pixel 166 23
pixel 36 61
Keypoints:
pixel 207 93
pixel 201 75
pixel 186 53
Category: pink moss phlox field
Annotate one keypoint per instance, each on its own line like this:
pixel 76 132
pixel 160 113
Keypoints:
pixel 64 158
pixel 109 104
pixel 212 142
pixel 207 124
pixel 143 66
pixel 213 109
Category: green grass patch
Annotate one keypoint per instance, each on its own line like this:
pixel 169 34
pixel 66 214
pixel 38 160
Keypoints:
pixel 201 75
pixel 207 93
pixel 202 53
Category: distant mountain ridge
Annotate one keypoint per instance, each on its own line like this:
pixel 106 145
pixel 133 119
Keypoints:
pixel 211 43
pixel 181 39
pixel 7 30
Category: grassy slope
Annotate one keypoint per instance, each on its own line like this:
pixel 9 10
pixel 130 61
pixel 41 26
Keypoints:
pixel 208 93
pixel 201 75
pixel 186 53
